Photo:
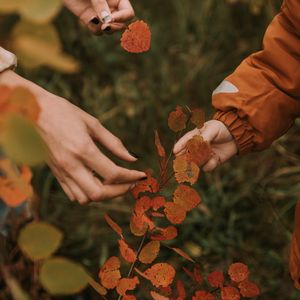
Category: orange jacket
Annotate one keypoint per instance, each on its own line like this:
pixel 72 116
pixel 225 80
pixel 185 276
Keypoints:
pixel 260 101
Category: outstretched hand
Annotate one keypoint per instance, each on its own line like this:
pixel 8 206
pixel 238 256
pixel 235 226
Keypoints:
pixel 220 139
pixel 101 15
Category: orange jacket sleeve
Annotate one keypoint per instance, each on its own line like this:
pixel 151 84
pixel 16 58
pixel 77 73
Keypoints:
pixel 261 99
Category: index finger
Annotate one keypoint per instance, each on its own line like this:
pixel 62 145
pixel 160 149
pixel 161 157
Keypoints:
pixel 124 12
pixel 103 11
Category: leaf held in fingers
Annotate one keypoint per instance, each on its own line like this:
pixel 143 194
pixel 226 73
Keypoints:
pixel 164 234
pixel 161 274
pixel 177 119
pixel 203 295
pixel 216 279
pixel 198 150
pixel 186 197
pixel 238 272
pixel 230 293
pixel 127 284
pixel 109 273
pixel 248 289
pixel 136 38
pixel 149 252
pixel 175 213
pixel 185 171
pixel 198 117
pixel 115 227
pixel 127 253
pixel 183 254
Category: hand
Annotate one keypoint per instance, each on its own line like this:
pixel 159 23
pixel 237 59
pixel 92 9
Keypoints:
pixel 220 139
pixel 69 134
pixel 101 15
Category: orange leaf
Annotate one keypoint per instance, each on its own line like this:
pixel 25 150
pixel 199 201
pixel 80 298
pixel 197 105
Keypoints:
pixel 185 171
pixel 109 273
pixel 181 293
pixel 216 279
pixel 115 227
pixel 157 296
pixel 203 295
pixel 149 252
pixel 148 185
pixel 198 117
pixel 138 226
pixel 177 119
pixel 238 272
pixel 248 289
pixel 158 202
pixel 15 188
pixel 198 151
pixel 174 213
pixel 230 293
pixel 127 253
pixel 182 253
pixel 5 91
pixel 186 197
pixel 136 38
pixel 127 284
pixel 161 274
pixel 160 149
pixel 142 205
pixel 164 234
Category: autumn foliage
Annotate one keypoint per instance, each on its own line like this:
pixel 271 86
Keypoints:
pixel 154 221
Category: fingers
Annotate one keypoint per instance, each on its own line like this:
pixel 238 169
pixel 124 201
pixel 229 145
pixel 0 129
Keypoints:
pixel 102 10
pixel 114 190
pixel 124 13
pixel 212 164
pixel 180 145
pixel 112 27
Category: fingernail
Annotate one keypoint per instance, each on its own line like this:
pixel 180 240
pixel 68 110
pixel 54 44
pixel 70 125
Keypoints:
pixel 95 21
pixel 143 178
pixel 107 29
pixel 134 155
pixel 105 17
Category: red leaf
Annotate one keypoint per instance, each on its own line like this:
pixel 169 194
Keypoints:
pixel 161 274
pixel 198 151
pixel 177 119
pixel 127 284
pixel 197 275
pixel 238 272
pixel 149 252
pixel 157 296
pixel 138 226
pixel 185 171
pixel 248 289
pixel 181 293
pixel 160 149
pixel 198 117
pixel 182 253
pixel 115 227
pixel 174 213
pixel 109 273
pixel 127 253
pixel 158 202
pixel 230 293
pixel 142 205
pixel 203 295
pixel 216 279
pixel 149 185
pixel 164 234
pixel 186 197
pixel 136 38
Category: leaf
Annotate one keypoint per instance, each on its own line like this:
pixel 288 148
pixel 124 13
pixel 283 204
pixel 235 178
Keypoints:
pixel 197 275
pixel 127 284
pixel 34 45
pixel 127 253
pixel 158 202
pixel 182 253
pixel 136 38
pixel 149 185
pixel 21 141
pixel 38 11
pixel 138 227
pixel 186 197
pixel 216 279
pixel 109 273
pixel 61 276
pixel 185 171
pixel 198 117
pixel 174 213
pixel 203 295
pixel 129 297
pixel 230 293
pixel 115 227
pixel 96 286
pixel 177 119
pixel 238 272
pixel 160 149
pixel 248 289
pixel 161 274
pixel 149 252
pixel 15 188
pixel 142 205
pixel 157 296
pixel 181 293
pixel 164 234
pixel 198 150
pixel 39 240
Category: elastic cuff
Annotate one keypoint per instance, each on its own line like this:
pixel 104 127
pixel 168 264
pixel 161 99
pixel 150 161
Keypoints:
pixel 7 60
pixel 240 130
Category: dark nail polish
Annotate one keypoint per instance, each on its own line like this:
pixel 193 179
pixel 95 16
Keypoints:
pixel 107 29
pixel 134 155
pixel 143 178
pixel 95 21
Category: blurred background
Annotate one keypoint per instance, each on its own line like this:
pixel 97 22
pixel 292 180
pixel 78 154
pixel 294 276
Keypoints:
pixel 248 204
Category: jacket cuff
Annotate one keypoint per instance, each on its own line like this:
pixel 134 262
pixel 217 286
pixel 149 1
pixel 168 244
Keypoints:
pixel 7 60
pixel 240 130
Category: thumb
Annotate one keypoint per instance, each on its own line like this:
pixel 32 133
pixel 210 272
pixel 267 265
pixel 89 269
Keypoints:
pixel 102 10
